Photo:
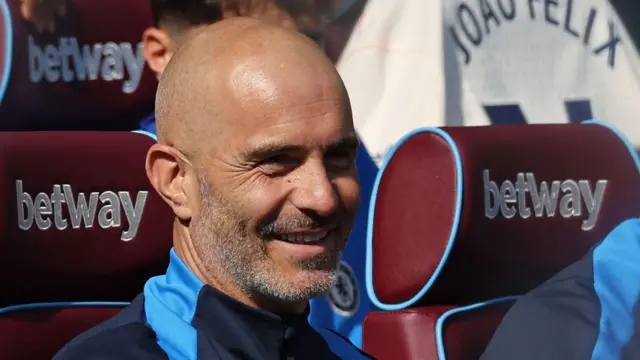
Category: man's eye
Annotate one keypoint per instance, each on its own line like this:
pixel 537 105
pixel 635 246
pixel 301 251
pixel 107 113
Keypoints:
pixel 343 159
pixel 278 165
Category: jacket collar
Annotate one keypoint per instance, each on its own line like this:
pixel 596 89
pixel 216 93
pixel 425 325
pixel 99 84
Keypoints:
pixel 180 297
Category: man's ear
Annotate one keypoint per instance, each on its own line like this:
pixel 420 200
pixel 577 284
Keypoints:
pixel 168 174
pixel 157 49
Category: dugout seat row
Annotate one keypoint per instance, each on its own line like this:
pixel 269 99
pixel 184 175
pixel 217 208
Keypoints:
pixel 451 242
pixel 81 230
pixel 86 72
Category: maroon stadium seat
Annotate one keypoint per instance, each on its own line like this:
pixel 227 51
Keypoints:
pixel 81 231
pixel 455 231
pixel 89 73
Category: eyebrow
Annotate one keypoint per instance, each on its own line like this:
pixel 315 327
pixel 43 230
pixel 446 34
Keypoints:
pixel 346 143
pixel 267 150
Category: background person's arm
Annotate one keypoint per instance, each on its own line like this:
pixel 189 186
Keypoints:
pixel 590 310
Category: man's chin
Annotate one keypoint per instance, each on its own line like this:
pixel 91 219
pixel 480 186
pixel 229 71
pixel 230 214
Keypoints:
pixel 302 280
pixel 316 282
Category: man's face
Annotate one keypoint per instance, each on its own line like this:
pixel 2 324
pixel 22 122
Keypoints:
pixel 279 190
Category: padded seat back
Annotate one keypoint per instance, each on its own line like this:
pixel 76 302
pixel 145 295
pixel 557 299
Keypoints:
pixel 38 333
pixel 461 216
pixel 81 232
pixel 88 73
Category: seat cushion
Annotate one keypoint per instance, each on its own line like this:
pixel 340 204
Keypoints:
pixel 35 333
pixel 433 332
pixel 404 334
pixel 463 333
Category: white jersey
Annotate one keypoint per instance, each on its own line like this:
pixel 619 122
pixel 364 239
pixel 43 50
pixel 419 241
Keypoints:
pixel 415 63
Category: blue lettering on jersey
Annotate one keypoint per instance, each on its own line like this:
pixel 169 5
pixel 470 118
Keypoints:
pixel 511 114
pixel 474 24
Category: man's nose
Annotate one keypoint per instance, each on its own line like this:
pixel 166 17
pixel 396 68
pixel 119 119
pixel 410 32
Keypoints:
pixel 315 191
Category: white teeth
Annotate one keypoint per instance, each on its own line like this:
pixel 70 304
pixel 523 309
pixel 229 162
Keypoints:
pixel 303 239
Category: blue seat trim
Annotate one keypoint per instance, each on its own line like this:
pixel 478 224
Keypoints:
pixel 147 133
pixel 61 305
pixel 446 315
pixel 8 55
pixel 454 230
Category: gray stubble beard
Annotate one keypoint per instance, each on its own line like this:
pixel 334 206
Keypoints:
pixel 227 250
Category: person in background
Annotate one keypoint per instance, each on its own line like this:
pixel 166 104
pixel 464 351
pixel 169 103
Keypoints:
pixel 256 158
pixel 590 310
pixel 346 305
pixel 176 20
pixel 469 63
pixel 43 14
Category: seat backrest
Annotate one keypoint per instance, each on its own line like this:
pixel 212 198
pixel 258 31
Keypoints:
pixel 460 216
pixel 88 73
pixel 81 231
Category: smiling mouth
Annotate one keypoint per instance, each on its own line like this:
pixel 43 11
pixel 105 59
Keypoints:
pixel 306 237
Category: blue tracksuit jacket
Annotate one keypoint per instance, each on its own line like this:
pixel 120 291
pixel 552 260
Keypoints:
pixel 178 317
pixel 589 311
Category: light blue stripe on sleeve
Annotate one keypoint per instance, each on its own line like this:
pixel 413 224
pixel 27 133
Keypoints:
pixel 616 277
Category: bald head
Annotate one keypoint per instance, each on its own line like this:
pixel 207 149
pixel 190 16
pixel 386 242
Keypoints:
pixel 230 68
pixel 264 122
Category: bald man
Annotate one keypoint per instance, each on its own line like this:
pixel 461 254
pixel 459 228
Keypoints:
pixel 255 156
pixel 345 307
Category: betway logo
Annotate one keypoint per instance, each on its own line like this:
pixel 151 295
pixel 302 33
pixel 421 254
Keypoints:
pixel 567 195
pixel 41 209
pixel 67 61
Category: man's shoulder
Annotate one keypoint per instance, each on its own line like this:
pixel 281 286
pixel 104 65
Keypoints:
pixel 124 336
